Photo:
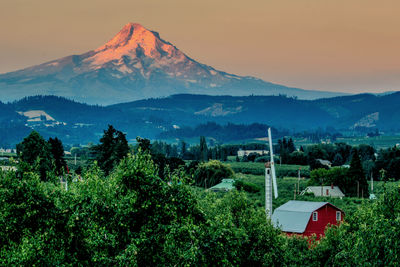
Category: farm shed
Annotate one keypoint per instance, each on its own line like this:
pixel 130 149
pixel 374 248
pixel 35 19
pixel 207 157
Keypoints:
pixel 306 218
pixel 324 191
pixel 225 185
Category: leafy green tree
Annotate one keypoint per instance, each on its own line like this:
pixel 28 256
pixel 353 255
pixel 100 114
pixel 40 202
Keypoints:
pixel 298 158
pixel 318 176
pixel 32 227
pixel 366 152
pixel 211 173
pixel 112 148
pixel 335 176
pixel 238 234
pixel 35 151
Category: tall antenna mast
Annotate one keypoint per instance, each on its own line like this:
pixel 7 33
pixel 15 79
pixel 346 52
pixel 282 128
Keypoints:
pixel 270 180
pixel 272 163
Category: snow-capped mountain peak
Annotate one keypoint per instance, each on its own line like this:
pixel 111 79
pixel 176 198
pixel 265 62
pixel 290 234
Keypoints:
pixel 135 64
pixel 132 41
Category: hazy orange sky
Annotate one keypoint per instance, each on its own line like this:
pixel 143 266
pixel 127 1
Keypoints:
pixel 337 45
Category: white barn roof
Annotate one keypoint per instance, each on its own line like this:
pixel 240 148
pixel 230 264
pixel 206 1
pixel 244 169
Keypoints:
pixel 321 191
pixel 293 216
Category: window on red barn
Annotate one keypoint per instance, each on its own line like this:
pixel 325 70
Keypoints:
pixel 315 216
pixel 338 216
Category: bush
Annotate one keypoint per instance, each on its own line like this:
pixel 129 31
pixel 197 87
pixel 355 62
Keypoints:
pixel 211 173
pixel 246 186
pixel 262 159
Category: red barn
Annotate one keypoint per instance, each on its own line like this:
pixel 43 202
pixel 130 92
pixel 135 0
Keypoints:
pixel 306 217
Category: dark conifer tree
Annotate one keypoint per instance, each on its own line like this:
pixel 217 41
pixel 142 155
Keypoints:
pixel 203 149
pixel 290 146
pixel 337 160
pixel 357 176
pixel 112 148
pixel 57 152
pixel 183 149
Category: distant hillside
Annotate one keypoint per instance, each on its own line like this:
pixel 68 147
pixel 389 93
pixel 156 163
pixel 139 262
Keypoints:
pixel 160 117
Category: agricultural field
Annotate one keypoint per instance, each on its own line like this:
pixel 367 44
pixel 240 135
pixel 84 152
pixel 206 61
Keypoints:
pixel 258 168
pixel 378 141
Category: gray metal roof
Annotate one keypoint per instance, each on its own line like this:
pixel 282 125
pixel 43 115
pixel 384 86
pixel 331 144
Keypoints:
pixel 316 190
pixel 293 216
pixel 225 185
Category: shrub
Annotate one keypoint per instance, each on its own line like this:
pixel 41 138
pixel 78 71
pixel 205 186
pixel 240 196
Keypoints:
pixel 262 159
pixel 211 173
pixel 246 186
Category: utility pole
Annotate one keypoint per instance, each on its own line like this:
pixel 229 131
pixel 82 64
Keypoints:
pixel 372 184
pixel 298 182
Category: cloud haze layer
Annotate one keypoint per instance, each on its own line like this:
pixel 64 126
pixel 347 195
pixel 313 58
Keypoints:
pixel 323 45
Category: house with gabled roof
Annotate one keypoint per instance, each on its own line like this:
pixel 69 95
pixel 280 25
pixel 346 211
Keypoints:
pixel 324 191
pixel 306 217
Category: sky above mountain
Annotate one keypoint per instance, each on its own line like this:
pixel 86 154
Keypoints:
pixel 343 45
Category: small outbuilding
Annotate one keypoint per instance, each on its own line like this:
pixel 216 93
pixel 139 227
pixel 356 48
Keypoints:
pixel 224 186
pixel 324 162
pixel 306 218
pixel 242 153
pixel 324 191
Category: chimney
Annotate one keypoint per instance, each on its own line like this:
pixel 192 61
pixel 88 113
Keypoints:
pixel 331 186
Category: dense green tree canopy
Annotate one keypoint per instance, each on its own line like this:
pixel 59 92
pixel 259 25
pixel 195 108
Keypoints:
pixel 112 148
pixel 35 152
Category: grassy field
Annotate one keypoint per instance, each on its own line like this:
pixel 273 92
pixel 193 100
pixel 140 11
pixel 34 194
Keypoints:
pixel 258 168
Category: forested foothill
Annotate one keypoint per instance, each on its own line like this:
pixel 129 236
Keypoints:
pixel 146 204
pixel 224 118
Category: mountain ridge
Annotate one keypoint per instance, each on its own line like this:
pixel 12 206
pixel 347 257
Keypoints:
pixel 76 122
